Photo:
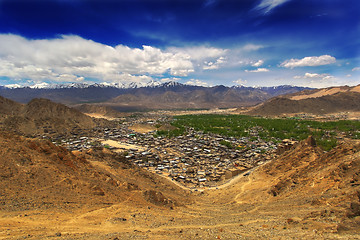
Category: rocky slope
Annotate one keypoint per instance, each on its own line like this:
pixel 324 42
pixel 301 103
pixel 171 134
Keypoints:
pixel 35 174
pixel 9 107
pixel 320 101
pixel 41 115
pixel 327 183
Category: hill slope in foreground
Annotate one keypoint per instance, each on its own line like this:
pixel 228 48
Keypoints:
pixel 50 193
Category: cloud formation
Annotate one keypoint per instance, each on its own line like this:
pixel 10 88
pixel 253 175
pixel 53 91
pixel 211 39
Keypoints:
pixel 258 70
pixel 197 82
pixel 323 76
pixel 71 58
pixel 309 61
pixel 214 65
pixel 258 63
pixel 240 82
pixel 252 47
pixel 206 57
pixel 267 5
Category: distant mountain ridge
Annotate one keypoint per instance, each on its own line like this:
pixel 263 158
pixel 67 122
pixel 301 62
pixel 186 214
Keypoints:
pixel 174 94
pixel 87 85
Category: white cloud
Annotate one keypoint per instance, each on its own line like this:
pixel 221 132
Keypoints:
pixel 206 58
pixel 72 59
pixel 356 69
pixel 312 75
pixel 197 82
pixel 323 76
pixel 199 53
pixel 348 75
pixel 267 5
pixel 258 63
pixel 258 70
pixel 251 47
pixel 309 61
pixel 240 81
pixel 214 65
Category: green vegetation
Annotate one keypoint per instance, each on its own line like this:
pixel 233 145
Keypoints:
pixel 171 133
pixel 325 133
pixel 226 143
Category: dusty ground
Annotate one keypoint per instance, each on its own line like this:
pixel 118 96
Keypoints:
pixel 122 146
pixel 304 194
pixel 143 128
pixel 218 214
pixel 99 115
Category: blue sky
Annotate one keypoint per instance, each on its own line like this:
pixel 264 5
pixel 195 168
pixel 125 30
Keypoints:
pixel 203 42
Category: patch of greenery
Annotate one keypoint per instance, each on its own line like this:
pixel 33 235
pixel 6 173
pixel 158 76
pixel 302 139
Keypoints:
pixel 267 129
pixel 170 133
pixel 226 143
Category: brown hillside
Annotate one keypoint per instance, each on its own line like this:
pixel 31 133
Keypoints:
pixel 41 114
pixel 37 174
pixel 328 184
pixel 9 107
pixel 338 102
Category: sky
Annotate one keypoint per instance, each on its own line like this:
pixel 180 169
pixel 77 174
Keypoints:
pixel 312 43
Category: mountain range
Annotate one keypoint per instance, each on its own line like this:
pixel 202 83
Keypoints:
pixel 172 95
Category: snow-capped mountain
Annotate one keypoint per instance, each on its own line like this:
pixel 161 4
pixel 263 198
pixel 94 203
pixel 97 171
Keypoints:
pixel 130 85
pixel 152 92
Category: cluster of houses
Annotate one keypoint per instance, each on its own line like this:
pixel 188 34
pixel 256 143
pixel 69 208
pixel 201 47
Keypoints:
pixel 196 159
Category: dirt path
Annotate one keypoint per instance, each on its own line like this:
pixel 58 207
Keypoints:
pixel 242 190
pixel 228 183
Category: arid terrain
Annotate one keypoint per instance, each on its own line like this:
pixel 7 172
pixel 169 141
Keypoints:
pixel 49 193
pixel 318 101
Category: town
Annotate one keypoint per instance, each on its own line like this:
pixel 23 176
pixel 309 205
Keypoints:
pixel 195 159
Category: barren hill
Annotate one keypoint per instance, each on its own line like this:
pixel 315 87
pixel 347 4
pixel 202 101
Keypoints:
pixel 37 174
pixel 328 184
pixel 41 115
pixel 9 107
pixel 320 101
